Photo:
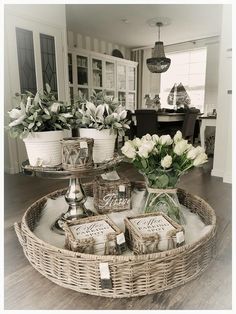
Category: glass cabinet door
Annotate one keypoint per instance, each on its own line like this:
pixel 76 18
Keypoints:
pixel 96 73
pixel 70 68
pixel 121 77
pixel 84 92
pixel 130 104
pixel 122 98
pixel 131 78
pixel 82 70
pixel 109 75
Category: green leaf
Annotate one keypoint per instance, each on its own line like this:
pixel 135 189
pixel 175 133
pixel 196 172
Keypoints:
pixel 48 88
pixel 46 111
pixel 46 117
pixel 58 126
pixel 144 163
pixel 163 180
pixel 31 125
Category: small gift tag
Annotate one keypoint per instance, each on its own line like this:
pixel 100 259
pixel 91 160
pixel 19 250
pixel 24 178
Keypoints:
pixel 83 145
pixel 180 237
pixel 106 282
pixel 121 244
pixel 121 191
pixel 110 176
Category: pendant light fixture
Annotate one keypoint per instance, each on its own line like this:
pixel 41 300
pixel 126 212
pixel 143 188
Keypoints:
pixel 158 63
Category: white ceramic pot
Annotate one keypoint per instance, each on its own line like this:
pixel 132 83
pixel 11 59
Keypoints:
pixel 104 143
pixel 44 148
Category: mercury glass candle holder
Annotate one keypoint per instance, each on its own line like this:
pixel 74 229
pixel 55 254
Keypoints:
pixel 77 153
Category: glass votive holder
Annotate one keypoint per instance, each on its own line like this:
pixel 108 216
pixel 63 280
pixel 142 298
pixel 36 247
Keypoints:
pixel 77 153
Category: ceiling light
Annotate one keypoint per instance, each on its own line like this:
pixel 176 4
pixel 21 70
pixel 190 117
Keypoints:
pixel 158 63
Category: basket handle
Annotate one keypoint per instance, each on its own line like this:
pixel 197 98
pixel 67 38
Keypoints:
pixel 18 230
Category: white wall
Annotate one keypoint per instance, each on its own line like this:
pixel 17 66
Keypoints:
pixel 44 18
pixel 52 14
pixel 222 166
pixel 151 81
pixel 95 44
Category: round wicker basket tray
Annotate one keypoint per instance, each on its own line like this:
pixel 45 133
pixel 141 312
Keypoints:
pixel 132 275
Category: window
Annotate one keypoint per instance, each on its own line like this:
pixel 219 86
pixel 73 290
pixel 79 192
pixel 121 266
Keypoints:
pixel 25 53
pixel 48 57
pixel 188 68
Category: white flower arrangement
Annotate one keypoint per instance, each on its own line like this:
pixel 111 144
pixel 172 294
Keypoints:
pixel 162 159
pixel 38 113
pixel 101 112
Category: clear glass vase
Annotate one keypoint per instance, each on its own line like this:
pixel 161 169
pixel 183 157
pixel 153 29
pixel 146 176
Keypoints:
pixel 162 194
pixel 163 200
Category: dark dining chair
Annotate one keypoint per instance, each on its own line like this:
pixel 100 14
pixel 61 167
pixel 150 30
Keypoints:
pixel 189 123
pixel 131 132
pixel 146 122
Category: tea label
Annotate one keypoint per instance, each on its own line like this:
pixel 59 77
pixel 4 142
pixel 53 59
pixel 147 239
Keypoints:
pixel 180 237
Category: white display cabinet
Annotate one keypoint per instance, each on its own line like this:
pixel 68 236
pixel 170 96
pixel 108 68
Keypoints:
pixel 90 71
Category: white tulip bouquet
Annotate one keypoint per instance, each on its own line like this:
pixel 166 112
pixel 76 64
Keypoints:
pixel 163 160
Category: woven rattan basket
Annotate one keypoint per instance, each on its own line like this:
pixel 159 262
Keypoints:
pixel 131 275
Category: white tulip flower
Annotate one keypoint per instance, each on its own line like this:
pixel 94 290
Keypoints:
pixel 192 153
pixel 178 137
pixel 137 142
pixel 166 162
pixel 165 140
pixel 155 138
pixel 200 159
pixel 145 149
pixel 146 137
pixel 180 147
pixel 128 150
pixel 200 149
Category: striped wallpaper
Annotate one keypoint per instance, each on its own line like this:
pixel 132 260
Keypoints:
pixel 95 44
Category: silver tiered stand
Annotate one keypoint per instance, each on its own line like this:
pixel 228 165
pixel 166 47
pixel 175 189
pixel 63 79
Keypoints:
pixel 75 195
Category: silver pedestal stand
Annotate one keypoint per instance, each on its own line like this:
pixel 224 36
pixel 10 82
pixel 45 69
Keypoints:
pixel 75 195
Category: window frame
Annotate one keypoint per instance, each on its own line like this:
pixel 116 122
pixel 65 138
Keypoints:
pixel 168 54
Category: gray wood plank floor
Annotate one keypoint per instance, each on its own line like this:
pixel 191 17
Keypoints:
pixel 27 289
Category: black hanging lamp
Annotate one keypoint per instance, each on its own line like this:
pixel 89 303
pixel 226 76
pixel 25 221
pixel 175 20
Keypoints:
pixel 158 63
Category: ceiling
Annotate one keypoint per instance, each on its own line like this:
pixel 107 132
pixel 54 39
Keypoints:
pixel 104 21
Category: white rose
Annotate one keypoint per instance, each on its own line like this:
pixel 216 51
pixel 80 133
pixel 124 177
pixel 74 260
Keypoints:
pixel 192 153
pixel 180 147
pixel 123 114
pixel 18 115
pixel 155 138
pixel 177 137
pixel 55 107
pixel 200 159
pixel 166 162
pixel 146 137
pixel 165 140
pixel 155 151
pixel 128 150
pixel 145 149
pixel 137 142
